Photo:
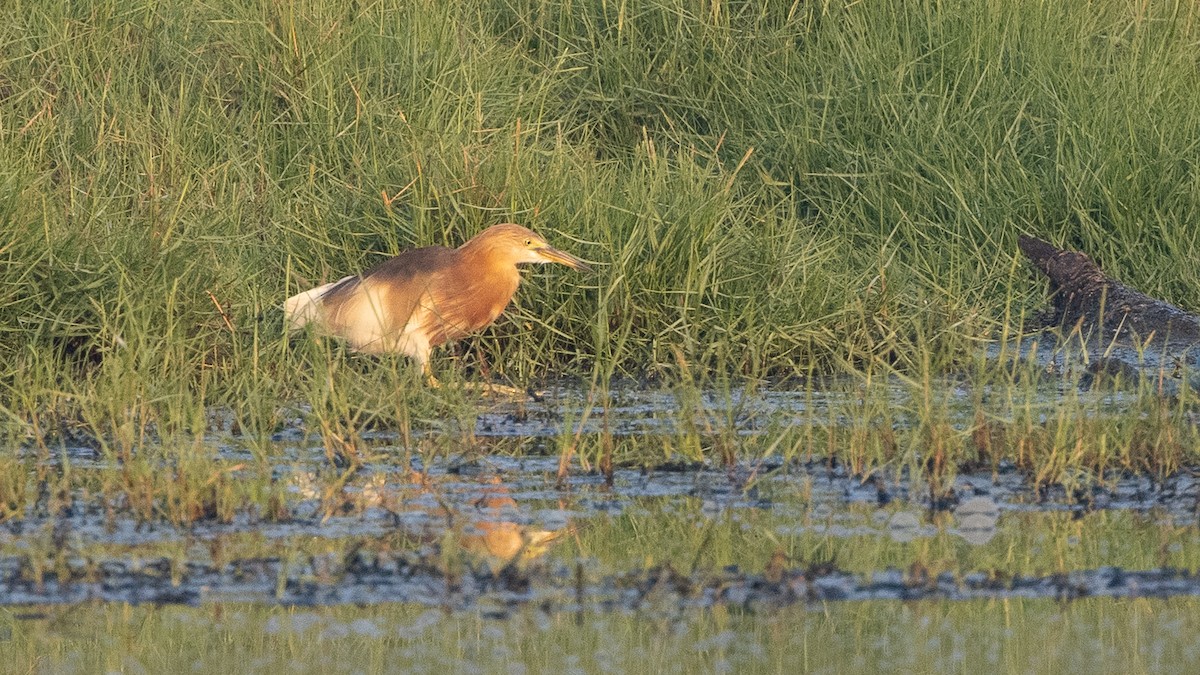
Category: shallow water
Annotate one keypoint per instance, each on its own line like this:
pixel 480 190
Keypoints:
pixel 496 529
pixel 479 557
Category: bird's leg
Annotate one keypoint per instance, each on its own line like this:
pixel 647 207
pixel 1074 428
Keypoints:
pixel 490 388
pixel 429 378
pixel 493 389
pixel 482 387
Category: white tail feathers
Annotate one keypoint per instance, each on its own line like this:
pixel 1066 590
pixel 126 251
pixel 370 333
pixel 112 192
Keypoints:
pixel 305 307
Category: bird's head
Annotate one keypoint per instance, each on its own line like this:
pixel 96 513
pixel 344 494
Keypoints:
pixel 518 245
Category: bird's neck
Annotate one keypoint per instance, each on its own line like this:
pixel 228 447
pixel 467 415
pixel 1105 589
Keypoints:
pixel 497 275
pixel 490 284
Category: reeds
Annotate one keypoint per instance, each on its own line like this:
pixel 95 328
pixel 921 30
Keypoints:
pixel 771 191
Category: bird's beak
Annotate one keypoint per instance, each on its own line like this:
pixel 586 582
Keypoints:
pixel 551 254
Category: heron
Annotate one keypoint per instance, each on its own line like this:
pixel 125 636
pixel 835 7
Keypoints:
pixel 426 297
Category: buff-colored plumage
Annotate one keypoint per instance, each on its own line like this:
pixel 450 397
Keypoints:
pixel 427 296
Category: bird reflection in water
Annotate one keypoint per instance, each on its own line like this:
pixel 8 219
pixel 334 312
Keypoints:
pixel 487 525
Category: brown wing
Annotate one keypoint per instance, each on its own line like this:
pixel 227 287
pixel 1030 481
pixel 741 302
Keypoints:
pixel 411 264
pixel 368 308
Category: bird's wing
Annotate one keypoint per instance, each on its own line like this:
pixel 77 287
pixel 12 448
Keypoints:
pixel 304 307
pixel 368 308
pixel 409 265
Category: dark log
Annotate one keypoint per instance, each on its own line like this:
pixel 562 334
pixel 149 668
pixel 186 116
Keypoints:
pixel 1084 297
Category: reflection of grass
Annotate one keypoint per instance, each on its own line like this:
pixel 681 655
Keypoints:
pixel 792 191
pixel 687 535
pixel 1025 544
pixel 1098 635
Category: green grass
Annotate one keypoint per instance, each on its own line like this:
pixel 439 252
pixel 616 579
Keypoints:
pixel 1101 635
pixel 768 189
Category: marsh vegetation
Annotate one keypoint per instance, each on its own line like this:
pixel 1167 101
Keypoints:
pixel 803 219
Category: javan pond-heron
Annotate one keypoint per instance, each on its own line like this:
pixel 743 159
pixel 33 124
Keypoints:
pixel 428 296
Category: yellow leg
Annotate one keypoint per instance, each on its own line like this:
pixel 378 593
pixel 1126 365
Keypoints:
pixel 485 387
pixel 489 388
pixel 429 378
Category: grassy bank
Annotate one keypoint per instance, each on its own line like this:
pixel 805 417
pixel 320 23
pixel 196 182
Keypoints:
pixel 767 188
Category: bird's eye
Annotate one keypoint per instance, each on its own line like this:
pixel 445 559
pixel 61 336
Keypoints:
pixel 529 242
